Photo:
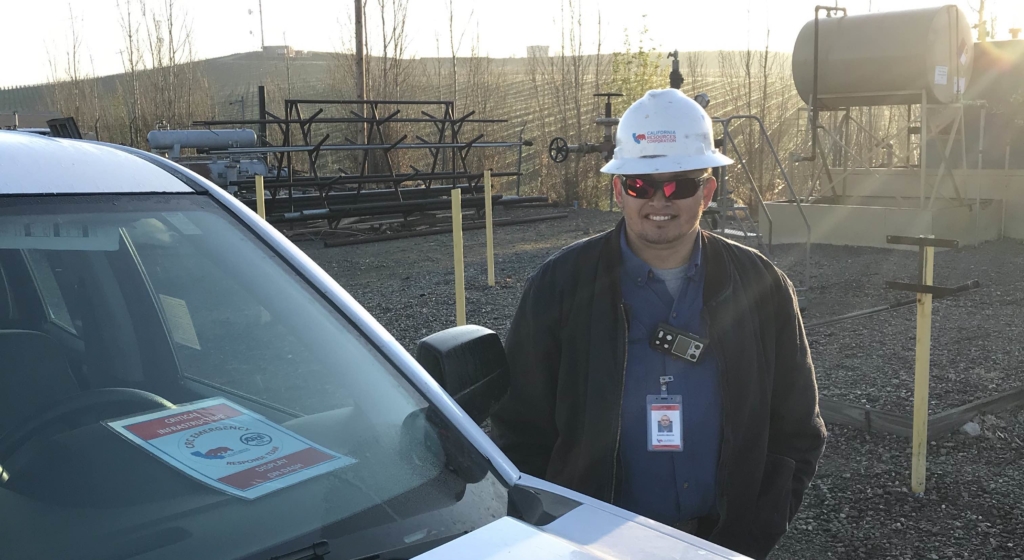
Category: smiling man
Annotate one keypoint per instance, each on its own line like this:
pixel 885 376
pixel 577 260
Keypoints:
pixel 657 319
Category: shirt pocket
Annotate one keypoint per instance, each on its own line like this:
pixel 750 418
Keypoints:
pixel 637 333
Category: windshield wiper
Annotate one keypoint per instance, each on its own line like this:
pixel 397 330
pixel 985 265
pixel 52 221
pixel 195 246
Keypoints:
pixel 315 551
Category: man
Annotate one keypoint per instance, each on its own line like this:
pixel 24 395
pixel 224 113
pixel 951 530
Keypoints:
pixel 592 366
pixel 665 424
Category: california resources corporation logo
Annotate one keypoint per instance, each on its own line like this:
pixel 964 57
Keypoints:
pixel 655 137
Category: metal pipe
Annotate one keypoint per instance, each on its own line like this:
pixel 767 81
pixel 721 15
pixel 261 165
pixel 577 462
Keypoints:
pixel 965 287
pixel 342 120
pixel 519 165
pixel 325 181
pixel 316 201
pixel 361 147
pixel 360 62
pixel 814 87
pixel 261 97
pixel 490 228
pixel 442 230
pixel 789 186
pixel 362 101
pixel 981 139
pixel 923 158
pixel 375 209
pixel 753 184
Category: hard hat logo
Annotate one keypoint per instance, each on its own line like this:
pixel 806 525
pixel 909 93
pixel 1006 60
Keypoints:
pixel 656 137
pixel 683 141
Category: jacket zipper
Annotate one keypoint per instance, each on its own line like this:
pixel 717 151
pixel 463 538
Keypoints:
pixel 622 391
pixel 722 462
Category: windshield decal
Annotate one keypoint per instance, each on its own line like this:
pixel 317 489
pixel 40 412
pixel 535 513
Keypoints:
pixel 66 235
pixel 228 447
pixel 179 321
pixel 183 224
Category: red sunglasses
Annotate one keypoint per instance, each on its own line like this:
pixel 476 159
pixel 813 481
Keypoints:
pixel 675 189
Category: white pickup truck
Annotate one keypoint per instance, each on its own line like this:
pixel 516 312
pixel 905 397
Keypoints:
pixel 177 380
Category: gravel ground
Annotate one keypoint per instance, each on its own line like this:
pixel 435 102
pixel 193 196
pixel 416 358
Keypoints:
pixel 859 506
pixel 976 349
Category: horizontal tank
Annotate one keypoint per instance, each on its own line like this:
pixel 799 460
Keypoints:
pixel 201 139
pixel 885 58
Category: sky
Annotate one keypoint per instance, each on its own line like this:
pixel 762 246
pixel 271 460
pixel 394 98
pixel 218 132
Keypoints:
pixel 41 28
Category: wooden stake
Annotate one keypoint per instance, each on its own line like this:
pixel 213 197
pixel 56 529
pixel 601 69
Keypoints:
pixel 922 362
pixel 490 227
pixel 460 272
pixel 261 207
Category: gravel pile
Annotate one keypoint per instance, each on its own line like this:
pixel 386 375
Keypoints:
pixel 859 506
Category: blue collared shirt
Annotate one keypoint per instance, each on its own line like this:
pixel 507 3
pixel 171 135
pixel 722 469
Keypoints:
pixel 668 487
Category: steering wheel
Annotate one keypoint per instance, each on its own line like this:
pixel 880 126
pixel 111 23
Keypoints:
pixel 111 402
pixel 558 150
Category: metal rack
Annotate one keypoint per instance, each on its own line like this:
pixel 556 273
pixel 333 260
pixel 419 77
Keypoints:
pixel 372 183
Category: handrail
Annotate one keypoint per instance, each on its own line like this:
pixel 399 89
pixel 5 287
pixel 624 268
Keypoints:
pixel 725 122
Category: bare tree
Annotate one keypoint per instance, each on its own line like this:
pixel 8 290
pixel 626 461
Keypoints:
pixel 564 106
pixel 696 70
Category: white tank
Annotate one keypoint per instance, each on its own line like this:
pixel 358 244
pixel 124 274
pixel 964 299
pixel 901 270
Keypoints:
pixel 201 139
pixel 886 58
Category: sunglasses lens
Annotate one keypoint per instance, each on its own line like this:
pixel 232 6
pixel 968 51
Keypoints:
pixel 638 188
pixel 678 189
pixel 683 188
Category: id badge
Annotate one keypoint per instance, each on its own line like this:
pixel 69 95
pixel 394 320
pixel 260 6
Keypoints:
pixel 664 423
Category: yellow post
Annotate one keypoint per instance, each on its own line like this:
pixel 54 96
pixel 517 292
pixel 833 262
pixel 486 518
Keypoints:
pixel 923 160
pixel 261 208
pixel 460 272
pixel 490 227
pixel 922 361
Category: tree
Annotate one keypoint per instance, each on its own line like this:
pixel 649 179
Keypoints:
pixel 634 73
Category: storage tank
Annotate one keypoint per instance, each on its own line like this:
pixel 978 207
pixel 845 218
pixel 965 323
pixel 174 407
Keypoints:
pixel 885 58
pixel 201 139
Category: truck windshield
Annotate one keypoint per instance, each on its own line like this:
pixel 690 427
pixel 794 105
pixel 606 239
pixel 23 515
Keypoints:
pixel 170 387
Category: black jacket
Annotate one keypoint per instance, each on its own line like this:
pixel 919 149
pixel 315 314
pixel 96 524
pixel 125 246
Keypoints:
pixel 567 351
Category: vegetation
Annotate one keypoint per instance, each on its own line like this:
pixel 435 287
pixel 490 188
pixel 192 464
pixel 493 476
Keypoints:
pixel 541 97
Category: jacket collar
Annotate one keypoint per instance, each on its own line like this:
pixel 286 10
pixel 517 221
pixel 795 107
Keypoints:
pixel 637 270
pixel 717 282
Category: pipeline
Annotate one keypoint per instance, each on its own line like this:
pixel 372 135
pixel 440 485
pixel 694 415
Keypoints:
pixel 965 287
pixel 441 230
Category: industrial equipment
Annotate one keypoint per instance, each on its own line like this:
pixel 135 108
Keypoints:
pixel 223 169
pixel 559 149
pixel 884 58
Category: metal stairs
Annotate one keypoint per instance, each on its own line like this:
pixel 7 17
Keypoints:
pixel 728 219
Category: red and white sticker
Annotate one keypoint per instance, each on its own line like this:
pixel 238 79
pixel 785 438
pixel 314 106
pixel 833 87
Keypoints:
pixel 228 447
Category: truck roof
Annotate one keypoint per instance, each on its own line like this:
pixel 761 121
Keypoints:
pixel 35 164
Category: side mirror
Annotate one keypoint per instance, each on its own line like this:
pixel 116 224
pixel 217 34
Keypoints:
pixel 469 363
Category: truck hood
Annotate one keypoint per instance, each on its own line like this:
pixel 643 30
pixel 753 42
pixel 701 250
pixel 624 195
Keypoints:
pixel 587 532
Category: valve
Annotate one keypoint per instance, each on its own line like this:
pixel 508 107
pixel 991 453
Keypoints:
pixel 558 150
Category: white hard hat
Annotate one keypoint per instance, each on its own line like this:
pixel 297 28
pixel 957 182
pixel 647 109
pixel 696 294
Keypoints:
pixel 664 132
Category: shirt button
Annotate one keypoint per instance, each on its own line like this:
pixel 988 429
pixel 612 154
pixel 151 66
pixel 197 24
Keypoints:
pixel 686 485
pixel 673 315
